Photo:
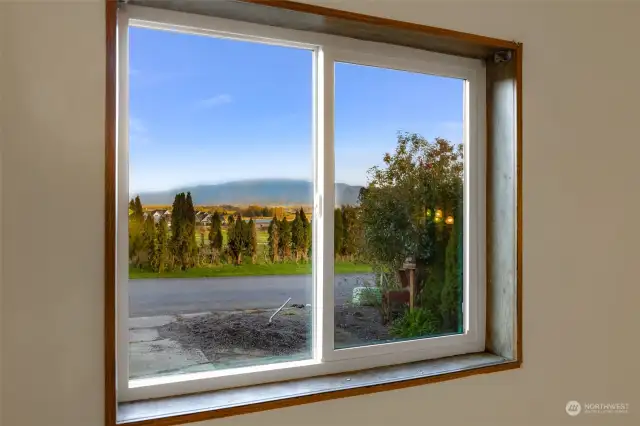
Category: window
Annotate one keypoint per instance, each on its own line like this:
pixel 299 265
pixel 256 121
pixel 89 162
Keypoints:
pixel 414 263
pixel 291 204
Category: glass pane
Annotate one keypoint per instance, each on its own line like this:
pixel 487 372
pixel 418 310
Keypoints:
pixel 220 181
pixel 399 194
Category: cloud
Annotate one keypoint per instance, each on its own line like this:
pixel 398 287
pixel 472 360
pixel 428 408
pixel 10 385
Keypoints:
pixel 136 125
pixel 138 132
pixel 215 101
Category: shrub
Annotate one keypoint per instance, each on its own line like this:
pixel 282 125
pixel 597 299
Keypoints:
pixel 416 323
pixel 367 296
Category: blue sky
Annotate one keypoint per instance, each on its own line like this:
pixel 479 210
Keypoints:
pixel 207 110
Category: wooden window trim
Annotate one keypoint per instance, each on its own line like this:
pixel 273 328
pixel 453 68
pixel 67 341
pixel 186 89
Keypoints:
pixel 461 38
pixel 110 337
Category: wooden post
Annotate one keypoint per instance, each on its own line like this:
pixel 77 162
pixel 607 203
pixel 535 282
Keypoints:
pixel 412 289
pixel 410 267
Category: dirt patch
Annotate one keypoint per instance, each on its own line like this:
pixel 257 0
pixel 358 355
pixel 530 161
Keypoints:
pixel 362 324
pixel 242 336
pixel 223 335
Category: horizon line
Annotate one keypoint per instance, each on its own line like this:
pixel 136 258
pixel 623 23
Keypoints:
pixel 196 185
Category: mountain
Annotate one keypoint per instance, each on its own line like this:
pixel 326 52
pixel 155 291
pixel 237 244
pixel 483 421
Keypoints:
pixel 272 192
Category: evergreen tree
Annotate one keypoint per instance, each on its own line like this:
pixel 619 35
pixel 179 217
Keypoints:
pixel 451 291
pixel 149 237
pixel 215 236
pixel 349 231
pixel 296 230
pixel 162 246
pixel 230 238
pixel 303 216
pixel 338 233
pixel 253 240
pixel 237 243
pixel 306 235
pixel 180 244
pixel 137 210
pixel 136 228
pixel 309 239
pixel 136 242
pixel 192 245
pixel 274 240
pixel 284 243
pixel 246 236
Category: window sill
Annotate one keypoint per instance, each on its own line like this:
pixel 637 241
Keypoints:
pixel 210 405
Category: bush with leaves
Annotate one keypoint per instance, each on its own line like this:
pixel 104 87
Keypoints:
pixel 416 323
pixel 418 179
pixel 398 216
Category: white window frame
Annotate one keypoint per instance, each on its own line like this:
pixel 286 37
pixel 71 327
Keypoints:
pixel 325 359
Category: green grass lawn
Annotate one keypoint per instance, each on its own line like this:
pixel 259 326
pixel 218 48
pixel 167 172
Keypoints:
pixel 249 270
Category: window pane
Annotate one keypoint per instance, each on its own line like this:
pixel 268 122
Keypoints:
pixel 220 181
pixel 399 194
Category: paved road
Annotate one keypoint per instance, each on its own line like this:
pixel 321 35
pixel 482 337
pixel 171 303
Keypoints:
pixel 150 297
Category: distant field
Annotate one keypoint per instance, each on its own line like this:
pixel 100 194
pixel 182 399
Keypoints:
pixel 249 270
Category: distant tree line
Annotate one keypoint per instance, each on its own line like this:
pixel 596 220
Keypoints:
pixel 164 246
pixel 347 233
pixel 289 240
pixel 250 211
pixel 171 244
pixel 152 245
pixel 255 211
pixel 242 239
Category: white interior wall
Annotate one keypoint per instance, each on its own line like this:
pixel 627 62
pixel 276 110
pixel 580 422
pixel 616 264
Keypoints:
pixel 580 220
